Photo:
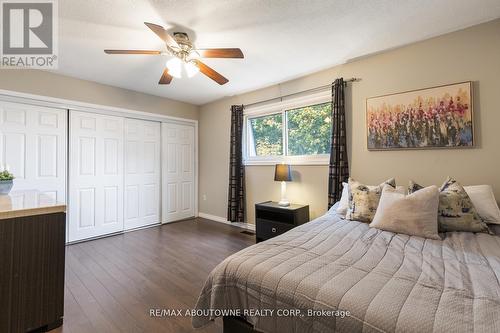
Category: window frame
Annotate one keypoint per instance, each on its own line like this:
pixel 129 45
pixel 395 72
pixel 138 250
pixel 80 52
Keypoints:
pixel 281 108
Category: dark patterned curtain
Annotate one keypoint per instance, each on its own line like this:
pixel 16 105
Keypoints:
pixel 236 200
pixel 339 166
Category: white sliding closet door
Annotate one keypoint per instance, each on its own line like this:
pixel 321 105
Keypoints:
pixel 33 145
pixel 142 173
pixel 178 153
pixel 96 175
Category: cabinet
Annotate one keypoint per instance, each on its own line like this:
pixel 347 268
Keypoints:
pixel 272 220
pixel 32 275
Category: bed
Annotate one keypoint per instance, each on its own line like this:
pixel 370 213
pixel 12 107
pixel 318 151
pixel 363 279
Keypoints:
pixel 358 279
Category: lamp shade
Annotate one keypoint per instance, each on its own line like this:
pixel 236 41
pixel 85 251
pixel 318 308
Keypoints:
pixel 282 173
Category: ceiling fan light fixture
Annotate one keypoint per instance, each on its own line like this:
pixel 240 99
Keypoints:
pixel 174 66
pixel 193 54
pixel 185 59
pixel 191 69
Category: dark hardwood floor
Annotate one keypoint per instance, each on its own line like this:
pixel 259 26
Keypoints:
pixel 112 283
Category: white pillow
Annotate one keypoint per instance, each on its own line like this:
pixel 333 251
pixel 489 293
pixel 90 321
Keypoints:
pixel 484 201
pixel 415 214
pixel 344 201
pixel 333 209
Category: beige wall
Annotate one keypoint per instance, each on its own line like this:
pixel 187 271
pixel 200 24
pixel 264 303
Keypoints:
pixel 65 87
pixel 471 54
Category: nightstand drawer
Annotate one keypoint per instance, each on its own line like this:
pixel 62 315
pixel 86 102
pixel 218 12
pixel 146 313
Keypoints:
pixel 283 216
pixel 266 229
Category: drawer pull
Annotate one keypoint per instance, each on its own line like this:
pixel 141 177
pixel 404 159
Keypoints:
pixel 273 230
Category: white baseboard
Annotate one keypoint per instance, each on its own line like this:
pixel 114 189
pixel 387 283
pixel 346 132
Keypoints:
pixel 224 220
pixel 213 218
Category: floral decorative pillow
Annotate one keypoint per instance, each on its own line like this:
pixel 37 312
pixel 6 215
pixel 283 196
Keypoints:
pixel 364 199
pixel 414 187
pixel 456 211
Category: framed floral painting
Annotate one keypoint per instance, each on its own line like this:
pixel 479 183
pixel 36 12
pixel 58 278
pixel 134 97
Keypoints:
pixel 437 117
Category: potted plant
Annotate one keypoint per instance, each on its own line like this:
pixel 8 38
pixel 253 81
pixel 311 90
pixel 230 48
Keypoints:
pixel 6 182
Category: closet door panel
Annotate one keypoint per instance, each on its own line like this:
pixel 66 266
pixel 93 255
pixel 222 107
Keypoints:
pixel 142 173
pixel 151 201
pixel 86 208
pixel 47 156
pixel 171 198
pixel 33 145
pixel 132 203
pixel 178 179
pixel 187 162
pixel 15 153
pixel 96 175
pixel 111 204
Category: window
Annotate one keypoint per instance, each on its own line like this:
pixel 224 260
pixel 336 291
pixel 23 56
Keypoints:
pixel 298 133
pixel 309 130
pixel 266 135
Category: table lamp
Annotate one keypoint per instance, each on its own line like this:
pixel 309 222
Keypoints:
pixel 283 174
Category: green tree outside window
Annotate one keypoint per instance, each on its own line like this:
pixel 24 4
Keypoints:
pixel 267 135
pixel 308 132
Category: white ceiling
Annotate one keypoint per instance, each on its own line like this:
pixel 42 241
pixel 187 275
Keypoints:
pixel 281 39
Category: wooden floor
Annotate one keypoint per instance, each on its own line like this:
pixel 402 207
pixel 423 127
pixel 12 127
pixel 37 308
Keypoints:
pixel 112 283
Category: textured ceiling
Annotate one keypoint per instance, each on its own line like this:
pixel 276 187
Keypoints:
pixel 281 39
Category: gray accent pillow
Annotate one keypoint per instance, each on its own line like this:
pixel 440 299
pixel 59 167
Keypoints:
pixel 363 200
pixel 415 214
pixel 456 211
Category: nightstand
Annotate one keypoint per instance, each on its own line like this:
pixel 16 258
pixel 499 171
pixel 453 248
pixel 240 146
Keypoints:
pixel 272 220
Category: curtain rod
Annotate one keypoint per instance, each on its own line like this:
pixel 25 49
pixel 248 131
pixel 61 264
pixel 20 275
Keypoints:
pixel 354 79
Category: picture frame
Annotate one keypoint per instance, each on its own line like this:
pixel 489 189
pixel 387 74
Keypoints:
pixel 439 117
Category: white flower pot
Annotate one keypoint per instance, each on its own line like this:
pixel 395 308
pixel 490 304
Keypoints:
pixel 6 186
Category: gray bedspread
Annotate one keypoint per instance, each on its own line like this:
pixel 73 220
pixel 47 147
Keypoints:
pixel 388 282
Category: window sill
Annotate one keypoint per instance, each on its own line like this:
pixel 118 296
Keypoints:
pixel 291 162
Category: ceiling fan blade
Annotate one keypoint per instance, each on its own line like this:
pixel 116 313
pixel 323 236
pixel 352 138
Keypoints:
pixel 211 73
pixel 132 52
pixel 165 77
pixel 220 53
pixel 163 34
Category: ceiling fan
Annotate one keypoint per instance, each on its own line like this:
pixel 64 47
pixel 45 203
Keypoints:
pixel 185 56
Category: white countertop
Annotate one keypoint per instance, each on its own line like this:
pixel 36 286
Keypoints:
pixel 28 203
